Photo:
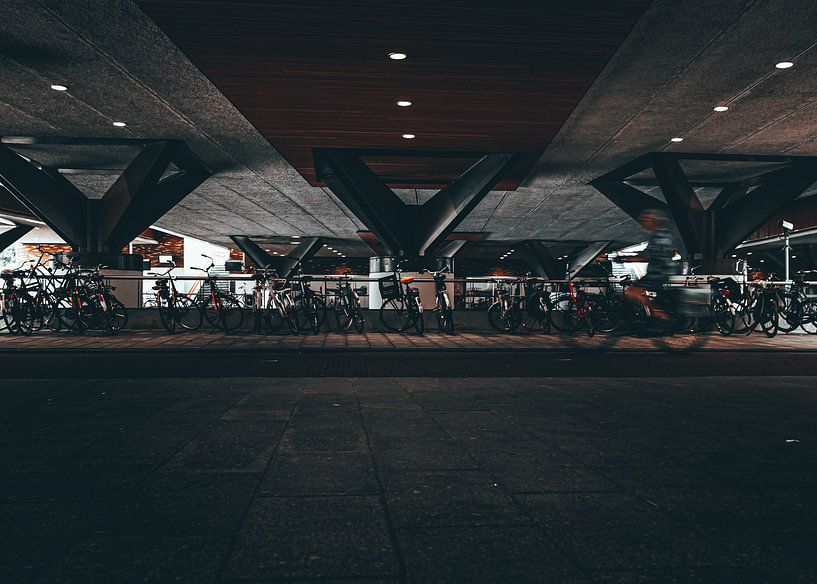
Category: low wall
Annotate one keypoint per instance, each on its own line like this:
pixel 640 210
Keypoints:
pixel 464 320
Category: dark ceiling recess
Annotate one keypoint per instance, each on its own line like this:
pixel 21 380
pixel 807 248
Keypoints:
pixel 483 76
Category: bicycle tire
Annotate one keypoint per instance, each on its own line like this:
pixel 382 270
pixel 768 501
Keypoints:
pixel 188 313
pixel 358 321
pixel 419 321
pixel 394 315
pixel 166 317
pixel 809 317
pixel 790 312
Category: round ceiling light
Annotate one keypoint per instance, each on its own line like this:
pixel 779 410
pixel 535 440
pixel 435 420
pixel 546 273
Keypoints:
pixel 784 65
pixel 59 87
pixel 403 103
pixel 676 139
pixel 120 124
pixel 397 56
pixel 720 108
pixel 409 136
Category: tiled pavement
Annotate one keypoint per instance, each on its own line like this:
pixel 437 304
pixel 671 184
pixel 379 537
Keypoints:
pixel 386 480
pixel 217 341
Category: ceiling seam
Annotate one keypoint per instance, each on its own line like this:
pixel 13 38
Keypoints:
pixel 25 113
pixel 488 220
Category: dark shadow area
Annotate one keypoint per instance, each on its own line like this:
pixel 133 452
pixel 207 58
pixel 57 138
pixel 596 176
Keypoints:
pixel 565 479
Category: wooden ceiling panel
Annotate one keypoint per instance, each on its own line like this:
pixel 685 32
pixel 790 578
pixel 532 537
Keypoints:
pixel 483 76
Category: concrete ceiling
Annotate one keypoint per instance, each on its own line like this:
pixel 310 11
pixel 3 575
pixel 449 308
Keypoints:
pixel 680 60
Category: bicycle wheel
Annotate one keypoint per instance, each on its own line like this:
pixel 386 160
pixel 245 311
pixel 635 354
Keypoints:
pixel 790 311
pixel 722 316
pixel 605 314
pixel 419 321
pixel 117 314
pixel 393 315
pixel 564 314
pixel 344 315
pixel 225 313
pixel 19 314
pixel 770 322
pixel 165 310
pixel 809 317
pixel 506 321
pixel 188 313
pixel 358 321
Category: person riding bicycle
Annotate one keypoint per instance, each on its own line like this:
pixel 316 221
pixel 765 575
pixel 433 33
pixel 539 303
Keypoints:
pixel 660 266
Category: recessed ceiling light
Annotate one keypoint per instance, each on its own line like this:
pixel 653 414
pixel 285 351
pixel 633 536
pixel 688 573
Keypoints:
pixel 676 140
pixel 720 108
pixel 120 124
pixel 294 242
pixel 59 87
pixel 404 103
pixel 409 136
pixel 296 237
pixel 396 56
pixel 784 65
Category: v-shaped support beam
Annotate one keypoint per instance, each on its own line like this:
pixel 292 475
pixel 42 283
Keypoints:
pixel 286 265
pixel 140 196
pixel 710 233
pixel 407 230
pixel 13 234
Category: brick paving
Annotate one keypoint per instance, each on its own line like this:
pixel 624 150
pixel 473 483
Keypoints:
pixel 401 480
pixel 244 341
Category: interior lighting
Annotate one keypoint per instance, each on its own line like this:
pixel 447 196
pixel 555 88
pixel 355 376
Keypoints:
pixel 397 56
pixel 120 124
pixel 403 103
pixel 296 237
pixel 720 108
pixel 57 87
pixel 677 139
pixel 784 65
pixel 409 136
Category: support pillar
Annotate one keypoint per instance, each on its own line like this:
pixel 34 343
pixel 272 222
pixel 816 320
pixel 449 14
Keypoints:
pixel 98 229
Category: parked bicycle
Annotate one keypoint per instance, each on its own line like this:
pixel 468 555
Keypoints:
pixel 273 305
pixel 174 308
pixel 348 312
pixel 310 307
pixel 221 309
pixel 443 309
pixel 402 308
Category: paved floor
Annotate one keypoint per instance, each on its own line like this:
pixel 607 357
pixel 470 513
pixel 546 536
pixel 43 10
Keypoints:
pixel 467 341
pixel 422 480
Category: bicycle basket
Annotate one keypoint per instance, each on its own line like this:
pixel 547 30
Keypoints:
pixel 389 287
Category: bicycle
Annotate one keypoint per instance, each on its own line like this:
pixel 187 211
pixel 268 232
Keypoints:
pixel 16 305
pixel 221 309
pixel 310 307
pixel 443 310
pixel 174 308
pixel 402 307
pixel 347 306
pixel 272 302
